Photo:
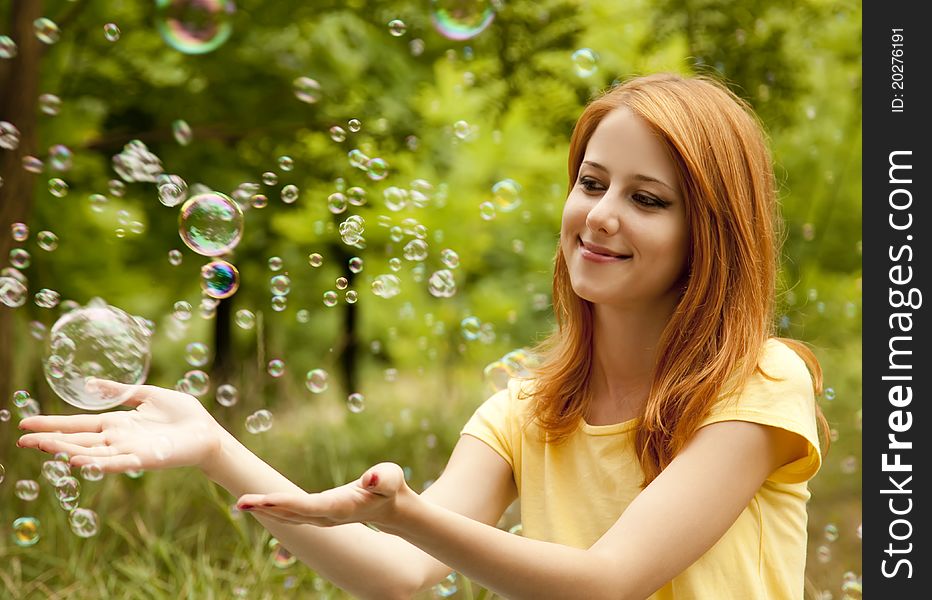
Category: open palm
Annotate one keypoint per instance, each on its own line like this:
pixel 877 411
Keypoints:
pixel 165 429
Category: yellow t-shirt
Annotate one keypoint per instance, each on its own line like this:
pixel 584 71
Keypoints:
pixel 573 493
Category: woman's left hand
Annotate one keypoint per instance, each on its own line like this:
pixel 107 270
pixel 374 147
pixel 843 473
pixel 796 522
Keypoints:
pixel 373 498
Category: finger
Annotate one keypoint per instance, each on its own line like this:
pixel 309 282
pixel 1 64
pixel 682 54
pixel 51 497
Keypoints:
pixel 84 438
pixel 284 516
pixel 54 446
pixel 109 464
pixel 64 423
pixel 113 389
pixel 384 479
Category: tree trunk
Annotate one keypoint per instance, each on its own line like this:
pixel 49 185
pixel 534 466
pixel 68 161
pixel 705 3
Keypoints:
pixel 19 85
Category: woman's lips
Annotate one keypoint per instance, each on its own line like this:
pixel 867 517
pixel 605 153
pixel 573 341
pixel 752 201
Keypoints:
pixel 597 257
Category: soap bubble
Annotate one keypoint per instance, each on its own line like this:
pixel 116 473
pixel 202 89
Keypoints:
pixel 196 354
pixel 9 136
pixel 46 30
pixel 269 178
pixel 26 531
pixel 111 32
pixel 351 296
pixel 227 395
pixel 174 257
pixel 50 104
pixel 442 284
pixel 137 163
pixel 395 198
pixel 68 488
pixel 173 190
pixel 194 26
pixel 357 158
pixel 259 201
pixel 27 489
pixel 449 258
pixel 58 187
pixel 46 298
pixel 356 402
pixel 245 319
pixel 386 286
pixel 355 264
pixel 259 421
pixel 330 298
pixel 47 240
pixel 20 258
pixel 7 47
pixel 211 224
pixel 219 279
pixel 92 472
pixel 280 285
pixel 19 231
pixel 289 193
pixel 181 131
pixel 198 382
pixel 336 203
pixel 96 341
pixel 585 62
pixel 354 125
pixel 487 211
pixel 316 380
pixel 276 367
pixel 447 587
pixel 285 163
pixel 116 188
pixel 98 202
pixel 461 19
pixel 307 90
pixel 32 164
pixel 55 471
pixel 84 522
pixel 470 327
pixel 461 129
pixel 337 133
pixel 315 259
pixel 377 169
pixel 356 196
pixel 397 27
pixel 415 250
pixel 506 195
pixel 60 157
pixel 279 303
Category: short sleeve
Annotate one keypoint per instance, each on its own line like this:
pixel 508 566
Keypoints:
pixel 492 423
pixel 788 403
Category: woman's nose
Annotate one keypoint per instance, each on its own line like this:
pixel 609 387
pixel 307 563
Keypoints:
pixel 603 218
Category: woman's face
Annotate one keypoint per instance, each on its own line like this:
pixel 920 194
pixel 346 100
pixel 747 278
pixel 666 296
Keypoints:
pixel 624 233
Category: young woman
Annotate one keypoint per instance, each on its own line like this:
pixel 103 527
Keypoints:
pixel 662 448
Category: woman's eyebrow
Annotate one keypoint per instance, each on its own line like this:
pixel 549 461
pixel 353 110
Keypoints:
pixel 638 176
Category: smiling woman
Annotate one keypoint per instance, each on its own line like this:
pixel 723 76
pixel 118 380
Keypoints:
pixel 661 450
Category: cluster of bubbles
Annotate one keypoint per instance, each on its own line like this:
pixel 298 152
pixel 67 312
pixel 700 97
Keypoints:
pixel 137 163
pixel 96 341
pixel 195 382
pixel 195 26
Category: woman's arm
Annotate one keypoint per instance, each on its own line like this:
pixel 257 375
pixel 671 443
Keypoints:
pixel 675 520
pixel 169 429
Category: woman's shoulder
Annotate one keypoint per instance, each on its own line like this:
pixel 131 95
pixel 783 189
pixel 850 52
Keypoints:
pixel 779 361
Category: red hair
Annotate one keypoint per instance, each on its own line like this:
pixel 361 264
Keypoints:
pixel 726 314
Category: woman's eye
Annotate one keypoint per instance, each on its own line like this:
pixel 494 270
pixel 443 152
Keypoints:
pixel 649 201
pixel 590 185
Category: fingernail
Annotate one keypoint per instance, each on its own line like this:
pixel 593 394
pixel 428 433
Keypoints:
pixel 373 480
pixel 246 507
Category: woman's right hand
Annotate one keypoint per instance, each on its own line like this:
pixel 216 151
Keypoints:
pixel 165 429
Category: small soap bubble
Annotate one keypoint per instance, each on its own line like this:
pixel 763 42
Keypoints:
pixel 446 588
pixel 285 163
pixel 26 531
pixel 269 178
pixel 8 47
pixel 227 395
pixel 461 129
pixel 394 264
pixel 259 421
pixel 336 203
pixel 275 263
pixel 19 231
pixel 245 319
pixel 172 190
pixel 116 188
pixel 316 380
pixel 84 522
pixel 181 131
pixel 824 554
pixel 829 394
pixel 330 298
pixel 211 224
pixel 276 367
pixel 831 532
pixel 585 62
pixel 415 250
pixel 9 136
pixel 470 327
pixel 259 201
pixel 47 240
pixel 20 258
pixel 46 298
pixel 182 310
pixel 341 283
pixel 397 27
pixel 20 397
pixel 356 402
pixel 307 90
pixel 337 133
pixel 68 489
pixel 46 30
pixel 55 471
pixel 506 195
pixel 279 303
pixel 58 187
pixel 377 169
pixel 354 125
pixel 351 296
pixel 198 382
pixel 386 286
pixel 315 260
pixel 290 193
pixel 50 104
pixel 27 489
pixel 174 257
pixel 60 158
pixel 197 354
pixel 4 415
pixel 111 32
pixel 449 258
pixel 280 556
pixel 32 164
pixel 280 285
pixel 487 211
pixel 92 472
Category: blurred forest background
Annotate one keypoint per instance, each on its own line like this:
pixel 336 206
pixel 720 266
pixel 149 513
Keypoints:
pixel 459 115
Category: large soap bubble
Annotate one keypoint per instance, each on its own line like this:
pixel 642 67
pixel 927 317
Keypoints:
pixel 211 224
pixel 461 19
pixel 98 341
pixel 195 26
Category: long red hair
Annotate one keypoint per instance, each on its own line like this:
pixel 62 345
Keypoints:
pixel 726 313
